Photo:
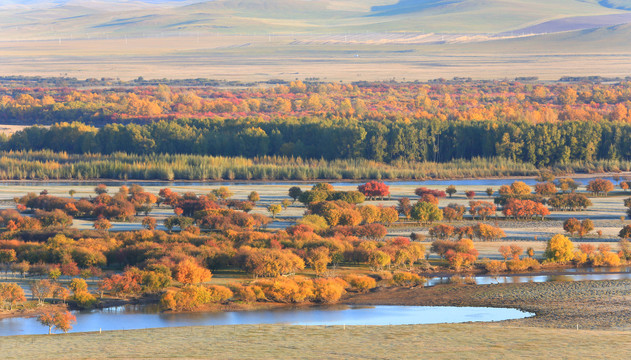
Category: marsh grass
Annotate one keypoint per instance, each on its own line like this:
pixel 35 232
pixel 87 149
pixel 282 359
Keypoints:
pixel 45 165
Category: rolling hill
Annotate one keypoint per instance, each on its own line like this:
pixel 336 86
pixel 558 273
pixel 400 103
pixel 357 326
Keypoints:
pixel 53 19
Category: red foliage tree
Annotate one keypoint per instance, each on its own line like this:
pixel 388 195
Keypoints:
pixel 374 189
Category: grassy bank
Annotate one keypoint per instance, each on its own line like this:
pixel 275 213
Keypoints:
pixel 298 342
pixel 44 165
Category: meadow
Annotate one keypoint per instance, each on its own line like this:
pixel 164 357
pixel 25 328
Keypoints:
pixel 291 57
pixel 458 341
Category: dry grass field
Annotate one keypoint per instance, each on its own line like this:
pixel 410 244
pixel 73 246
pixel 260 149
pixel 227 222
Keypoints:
pixel 373 57
pixel 462 341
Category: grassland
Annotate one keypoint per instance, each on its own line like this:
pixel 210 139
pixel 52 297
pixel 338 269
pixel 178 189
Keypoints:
pixel 261 57
pixel 462 341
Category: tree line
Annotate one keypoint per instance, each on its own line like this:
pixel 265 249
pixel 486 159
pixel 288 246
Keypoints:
pixel 541 144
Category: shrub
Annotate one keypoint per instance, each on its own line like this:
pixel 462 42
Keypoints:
pixel 360 283
pixel 192 297
pixel 495 266
pixel 402 278
pixel 287 290
pixel 218 294
pixel 328 291
pixel 435 193
pixel 316 222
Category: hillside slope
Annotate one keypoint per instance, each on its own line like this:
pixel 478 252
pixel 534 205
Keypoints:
pixel 52 19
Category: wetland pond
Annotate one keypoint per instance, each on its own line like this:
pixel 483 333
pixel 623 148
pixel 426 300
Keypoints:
pixel 148 316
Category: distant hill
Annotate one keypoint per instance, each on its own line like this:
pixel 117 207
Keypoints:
pixel 41 19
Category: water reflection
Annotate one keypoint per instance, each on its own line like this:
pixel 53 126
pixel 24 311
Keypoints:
pixel 148 316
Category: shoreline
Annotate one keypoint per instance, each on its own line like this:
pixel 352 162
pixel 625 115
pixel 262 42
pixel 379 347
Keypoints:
pixel 349 298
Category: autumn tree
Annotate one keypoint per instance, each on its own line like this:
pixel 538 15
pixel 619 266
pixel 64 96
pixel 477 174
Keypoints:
pixel 486 232
pixel 439 194
pixel 269 262
pixel 275 209
pixel 388 215
pixel 453 212
pixel 11 293
pixel 254 197
pixel 81 295
pixel 482 209
pixel 505 251
pixel 441 231
pixel 572 226
pixel 625 233
pixel 404 207
pixel 360 283
pixel 425 212
pixel 285 203
pixel 517 189
pixel 600 187
pixel 294 192
pixel 42 289
pixel 189 272
pixel 461 254
pixel 379 259
pixel 58 319
pixel 567 184
pixel 516 251
pixel 318 259
pixel 222 192
pixel 7 256
pixel 587 225
pixel 569 202
pixel 451 190
pixel 524 209
pixel 102 224
pixel 374 189
pixel 149 223
pixel 559 249
pixel 545 188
